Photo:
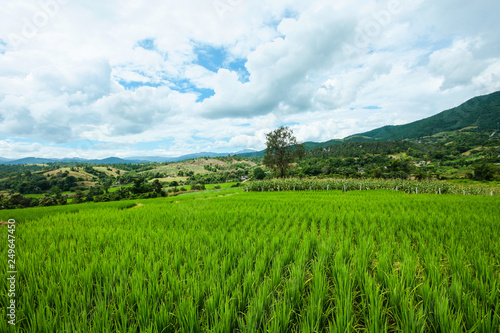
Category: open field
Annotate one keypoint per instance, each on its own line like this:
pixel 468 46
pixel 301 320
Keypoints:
pixel 222 185
pixel 77 174
pixel 196 166
pixel 113 172
pixel 233 261
pixel 169 179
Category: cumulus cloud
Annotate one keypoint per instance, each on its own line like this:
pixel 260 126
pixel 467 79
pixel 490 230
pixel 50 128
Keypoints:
pixel 449 63
pixel 279 68
pixel 101 77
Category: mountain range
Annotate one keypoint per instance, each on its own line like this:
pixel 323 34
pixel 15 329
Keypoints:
pixel 482 113
pixel 117 160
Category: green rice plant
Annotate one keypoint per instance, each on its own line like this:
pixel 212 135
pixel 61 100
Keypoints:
pixel 313 260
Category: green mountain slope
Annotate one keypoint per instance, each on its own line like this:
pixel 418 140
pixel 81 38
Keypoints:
pixel 482 112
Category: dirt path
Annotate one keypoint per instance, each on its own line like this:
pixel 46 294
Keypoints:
pixel 138 205
pixel 2 223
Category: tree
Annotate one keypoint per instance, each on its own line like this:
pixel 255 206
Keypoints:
pixel 484 172
pixel 56 191
pixel 258 173
pixel 282 149
pixel 78 197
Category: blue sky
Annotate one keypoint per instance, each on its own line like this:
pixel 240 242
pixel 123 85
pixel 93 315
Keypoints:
pixel 100 79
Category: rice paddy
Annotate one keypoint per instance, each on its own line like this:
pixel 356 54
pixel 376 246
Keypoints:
pixel 303 261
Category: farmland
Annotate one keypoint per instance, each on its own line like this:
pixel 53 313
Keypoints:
pixel 287 261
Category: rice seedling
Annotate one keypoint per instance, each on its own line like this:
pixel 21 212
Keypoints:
pixel 313 260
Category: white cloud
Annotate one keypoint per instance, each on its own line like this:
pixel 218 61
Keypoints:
pixel 449 63
pixel 66 69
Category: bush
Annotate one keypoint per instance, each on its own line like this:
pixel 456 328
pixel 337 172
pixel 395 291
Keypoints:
pixel 47 201
pixel 198 187
pixel 484 172
pixel 258 173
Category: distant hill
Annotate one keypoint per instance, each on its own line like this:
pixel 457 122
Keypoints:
pixel 28 160
pixel 36 160
pixel 482 112
pixel 116 160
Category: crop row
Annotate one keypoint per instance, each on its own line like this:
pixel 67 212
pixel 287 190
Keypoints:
pixel 309 261
pixel 408 186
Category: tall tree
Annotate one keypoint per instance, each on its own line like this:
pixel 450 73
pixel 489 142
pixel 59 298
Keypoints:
pixel 282 149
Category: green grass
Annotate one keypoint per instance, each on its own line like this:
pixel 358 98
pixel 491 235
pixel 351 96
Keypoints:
pixel 222 185
pixel 114 189
pixel 170 179
pixel 233 261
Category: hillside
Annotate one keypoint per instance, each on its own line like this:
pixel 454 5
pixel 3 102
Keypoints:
pixel 200 166
pixel 482 112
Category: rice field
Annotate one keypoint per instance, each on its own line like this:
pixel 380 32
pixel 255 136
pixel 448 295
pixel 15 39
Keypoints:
pixel 303 261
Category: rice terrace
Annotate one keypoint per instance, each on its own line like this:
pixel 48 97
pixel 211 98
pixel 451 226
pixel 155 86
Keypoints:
pixel 287 261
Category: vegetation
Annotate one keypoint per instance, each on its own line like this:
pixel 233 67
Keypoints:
pixel 410 187
pixel 260 262
pixel 56 184
pixel 281 150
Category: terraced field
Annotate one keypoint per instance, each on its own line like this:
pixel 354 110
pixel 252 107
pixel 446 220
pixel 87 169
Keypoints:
pixel 310 261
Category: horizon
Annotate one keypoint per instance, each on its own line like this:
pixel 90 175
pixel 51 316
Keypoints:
pixel 98 80
pixel 132 158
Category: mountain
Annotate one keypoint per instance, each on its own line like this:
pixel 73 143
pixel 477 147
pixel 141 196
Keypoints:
pixel 29 160
pixel 116 160
pixel 482 112
pixel 36 160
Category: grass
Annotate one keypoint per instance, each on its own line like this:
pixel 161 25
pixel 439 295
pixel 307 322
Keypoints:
pixel 116 188
pixel 112 172
pixel 77 174
pixel 222 185
pixel 170 179
pixel 196 166
pixel 233 261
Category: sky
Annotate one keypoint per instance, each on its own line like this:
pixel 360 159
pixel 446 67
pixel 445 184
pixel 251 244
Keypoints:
pixel 94 79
